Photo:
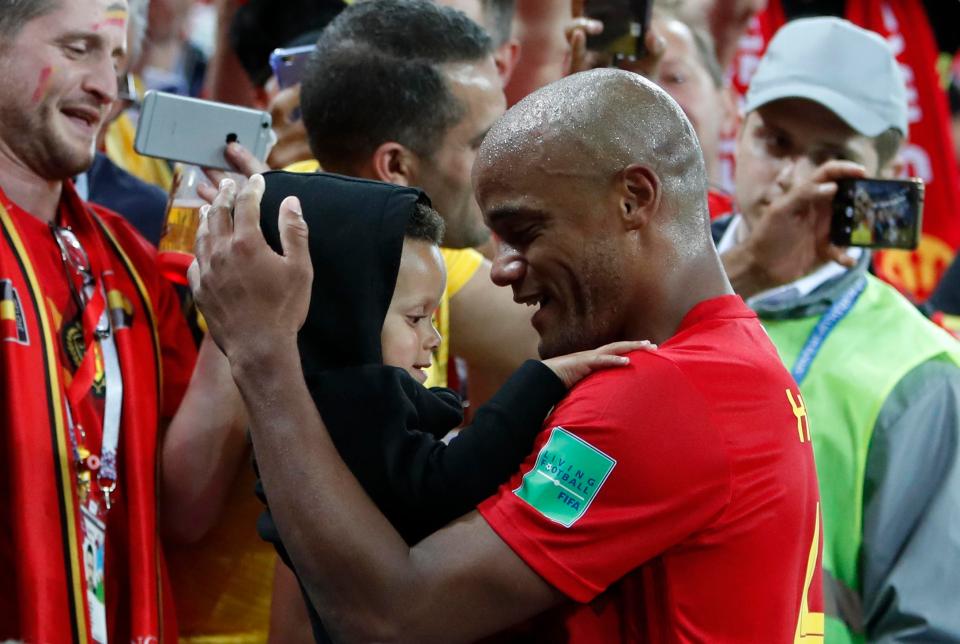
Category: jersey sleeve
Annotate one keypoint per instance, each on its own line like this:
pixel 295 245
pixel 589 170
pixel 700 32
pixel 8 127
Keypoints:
pixel 625 468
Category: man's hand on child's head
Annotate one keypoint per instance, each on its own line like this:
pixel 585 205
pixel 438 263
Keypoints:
pixel 253 300
pixel 574 367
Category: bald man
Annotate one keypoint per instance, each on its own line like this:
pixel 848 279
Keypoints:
pixel 677 495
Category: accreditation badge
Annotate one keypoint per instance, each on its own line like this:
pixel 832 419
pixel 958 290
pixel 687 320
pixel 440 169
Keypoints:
pixel 94 535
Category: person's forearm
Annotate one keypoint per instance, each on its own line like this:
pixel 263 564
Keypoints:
pixel 202 448
pixel 355 567
pixel 289 620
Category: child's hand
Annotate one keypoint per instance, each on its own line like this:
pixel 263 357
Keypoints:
pixel 574 367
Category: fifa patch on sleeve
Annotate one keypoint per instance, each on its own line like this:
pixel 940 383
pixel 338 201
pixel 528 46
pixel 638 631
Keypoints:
pixel 566 478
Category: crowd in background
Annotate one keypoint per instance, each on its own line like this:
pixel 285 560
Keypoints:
pixel 408 101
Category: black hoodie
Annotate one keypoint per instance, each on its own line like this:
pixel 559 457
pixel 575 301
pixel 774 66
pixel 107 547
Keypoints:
pixel 386 425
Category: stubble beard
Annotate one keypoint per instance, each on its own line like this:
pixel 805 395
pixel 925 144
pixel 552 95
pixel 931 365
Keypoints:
pixel 49 151
pixel 593 320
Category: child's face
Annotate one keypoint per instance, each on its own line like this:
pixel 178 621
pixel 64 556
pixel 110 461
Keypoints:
pixel 408 337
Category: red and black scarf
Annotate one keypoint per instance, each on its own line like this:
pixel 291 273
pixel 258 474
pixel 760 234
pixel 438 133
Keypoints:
pixel 41 514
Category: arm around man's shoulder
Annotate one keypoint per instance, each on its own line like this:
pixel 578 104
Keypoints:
pixel 620 474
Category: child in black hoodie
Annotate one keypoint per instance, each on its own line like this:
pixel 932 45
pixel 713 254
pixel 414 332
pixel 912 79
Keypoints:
pixel 368 335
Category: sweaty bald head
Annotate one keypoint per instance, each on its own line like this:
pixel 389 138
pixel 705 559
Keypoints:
pixel 592 125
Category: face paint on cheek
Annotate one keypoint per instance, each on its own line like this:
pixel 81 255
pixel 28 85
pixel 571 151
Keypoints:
pixel 42 84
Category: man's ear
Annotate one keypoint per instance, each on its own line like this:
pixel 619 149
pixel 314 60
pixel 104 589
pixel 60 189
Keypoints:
pixel 394 163
pixel 506 57
pixel 640 192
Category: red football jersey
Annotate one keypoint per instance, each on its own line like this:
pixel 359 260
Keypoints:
pixel 678 495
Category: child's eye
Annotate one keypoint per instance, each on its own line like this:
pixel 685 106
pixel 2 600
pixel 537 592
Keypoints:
pixel 416 319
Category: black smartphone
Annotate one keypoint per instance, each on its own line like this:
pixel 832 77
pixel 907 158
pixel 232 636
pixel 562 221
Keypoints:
pixel 625 25
pixel 877 213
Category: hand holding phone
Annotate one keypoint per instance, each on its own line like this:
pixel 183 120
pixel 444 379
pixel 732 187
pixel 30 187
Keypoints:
pixel 877 213
pixel 626 26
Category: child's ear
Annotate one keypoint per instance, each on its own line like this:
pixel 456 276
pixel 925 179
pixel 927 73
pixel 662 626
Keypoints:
pixel 394 163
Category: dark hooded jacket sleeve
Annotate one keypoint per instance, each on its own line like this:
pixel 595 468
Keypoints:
pixel 419 482
pixel 387 428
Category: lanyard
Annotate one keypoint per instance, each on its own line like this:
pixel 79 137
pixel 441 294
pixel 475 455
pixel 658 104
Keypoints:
pixel 825 326
pixel 96 324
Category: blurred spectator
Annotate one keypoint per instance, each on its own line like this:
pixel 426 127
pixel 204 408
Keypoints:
pixel 170 61
pixel 880 383
pixel 727 20
pixel 248 35
pixel 690 73
pixel 258 28
pixel 552 37
pixel 116 140
pixel 225 80
pixel 496 17
pixel 96 356
pixel 916 31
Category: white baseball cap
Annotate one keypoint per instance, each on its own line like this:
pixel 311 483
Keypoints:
pixel 849 70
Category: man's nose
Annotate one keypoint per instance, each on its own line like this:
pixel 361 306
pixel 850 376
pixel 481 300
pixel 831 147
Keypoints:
pixel 794 170
pixel 509 266
pixel 102 81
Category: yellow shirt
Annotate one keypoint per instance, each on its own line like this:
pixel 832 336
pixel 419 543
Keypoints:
pixel 222 585
pixel 462 264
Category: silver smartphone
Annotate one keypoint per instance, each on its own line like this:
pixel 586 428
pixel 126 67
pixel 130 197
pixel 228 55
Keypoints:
pixel 194 131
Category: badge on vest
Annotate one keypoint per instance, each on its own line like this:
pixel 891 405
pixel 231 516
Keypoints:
pixel 566 478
